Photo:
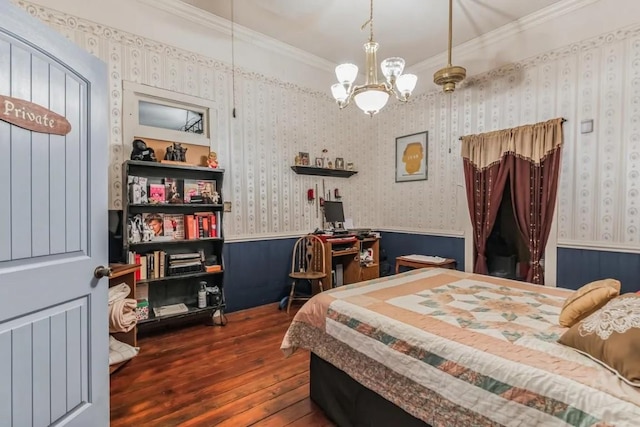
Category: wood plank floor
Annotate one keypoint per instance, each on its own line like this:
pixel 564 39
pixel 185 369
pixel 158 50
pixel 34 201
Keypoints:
pixel 200 375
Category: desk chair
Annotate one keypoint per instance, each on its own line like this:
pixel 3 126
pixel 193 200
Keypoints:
pixel 307 263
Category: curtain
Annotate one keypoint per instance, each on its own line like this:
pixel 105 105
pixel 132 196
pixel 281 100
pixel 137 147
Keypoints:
pixel 530 155
pixel 485 186
pixel 534 187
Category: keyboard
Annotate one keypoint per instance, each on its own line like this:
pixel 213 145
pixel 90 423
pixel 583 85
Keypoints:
pixel 360 230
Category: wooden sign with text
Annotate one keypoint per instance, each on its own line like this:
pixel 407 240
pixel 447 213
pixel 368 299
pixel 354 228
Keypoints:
pixel 32 116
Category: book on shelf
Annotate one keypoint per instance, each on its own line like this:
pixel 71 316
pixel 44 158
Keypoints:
pixel 174 190
pixel 185 255
pixel 191 189
pixel 200 225
pixel 155 223
pixel 174 226
pixel 207 188
pixel 167 310
pixel 213 225
pixel 152 264
pixel 156 193
pixel 199 191
pixel 137 189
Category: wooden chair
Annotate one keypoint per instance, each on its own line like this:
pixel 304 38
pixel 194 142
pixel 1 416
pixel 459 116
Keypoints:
pixel 307 263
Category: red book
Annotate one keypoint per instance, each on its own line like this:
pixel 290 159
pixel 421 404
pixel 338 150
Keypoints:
pixel 213 232
pixel 190 227
pixel 137 259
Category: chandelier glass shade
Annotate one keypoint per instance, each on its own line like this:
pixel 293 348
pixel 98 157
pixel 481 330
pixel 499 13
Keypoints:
pixel 373 95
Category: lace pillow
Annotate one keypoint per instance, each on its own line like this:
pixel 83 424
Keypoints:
pixel 611 336
pixel 587 299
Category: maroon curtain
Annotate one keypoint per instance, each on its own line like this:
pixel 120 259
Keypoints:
pixel 484 193
pixel 533 191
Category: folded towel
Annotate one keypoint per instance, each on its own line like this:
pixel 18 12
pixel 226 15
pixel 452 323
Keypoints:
pixel 122 315
pixel 118 292
pixel 119 351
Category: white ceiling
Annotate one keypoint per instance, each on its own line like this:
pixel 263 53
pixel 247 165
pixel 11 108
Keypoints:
pixel 412 29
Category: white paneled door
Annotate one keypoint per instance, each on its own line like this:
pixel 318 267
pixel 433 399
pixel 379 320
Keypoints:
pixel 53 228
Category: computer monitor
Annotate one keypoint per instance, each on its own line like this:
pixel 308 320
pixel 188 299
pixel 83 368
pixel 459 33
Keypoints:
pixel 333 212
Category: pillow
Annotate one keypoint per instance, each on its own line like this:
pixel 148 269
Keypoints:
pixel 587 299
pixel 611 336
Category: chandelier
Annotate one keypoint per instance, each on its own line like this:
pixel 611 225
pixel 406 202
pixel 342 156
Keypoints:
pixel 448 76
pixel 372 96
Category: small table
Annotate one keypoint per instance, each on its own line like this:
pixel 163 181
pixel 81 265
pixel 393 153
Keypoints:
pixel 408 262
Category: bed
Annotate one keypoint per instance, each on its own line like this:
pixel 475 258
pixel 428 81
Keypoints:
pixel 441 347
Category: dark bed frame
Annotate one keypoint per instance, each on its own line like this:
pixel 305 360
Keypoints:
pixel 350 404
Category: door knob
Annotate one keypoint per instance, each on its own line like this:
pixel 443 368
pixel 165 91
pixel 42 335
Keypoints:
pixel 102 271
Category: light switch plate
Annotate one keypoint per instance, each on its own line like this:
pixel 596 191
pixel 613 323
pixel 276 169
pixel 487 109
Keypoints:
pixel 586 126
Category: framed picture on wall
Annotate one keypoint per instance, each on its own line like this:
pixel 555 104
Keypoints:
pixel 412 157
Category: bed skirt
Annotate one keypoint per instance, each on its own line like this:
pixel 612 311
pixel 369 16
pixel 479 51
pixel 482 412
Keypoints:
pixel 350 404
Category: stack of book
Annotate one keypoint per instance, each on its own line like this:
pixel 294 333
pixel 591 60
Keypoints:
pixel 201 225
pixel 184 263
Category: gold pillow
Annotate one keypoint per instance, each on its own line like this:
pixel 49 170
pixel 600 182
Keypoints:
pixel 588 299
pixel 611 336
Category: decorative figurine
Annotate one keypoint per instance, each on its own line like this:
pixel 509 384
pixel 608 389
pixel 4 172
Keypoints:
pixel 215 198
pixel 212 161
pixel 142 152
pixel 176 152
pixel 297 161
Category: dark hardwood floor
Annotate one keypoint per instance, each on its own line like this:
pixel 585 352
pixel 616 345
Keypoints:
pixel 200 375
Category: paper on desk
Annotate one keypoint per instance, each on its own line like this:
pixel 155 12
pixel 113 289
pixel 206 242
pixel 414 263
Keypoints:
pixel 348 223
pixel 424 258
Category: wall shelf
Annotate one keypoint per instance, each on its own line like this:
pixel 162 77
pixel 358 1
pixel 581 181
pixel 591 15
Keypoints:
pixel 312 170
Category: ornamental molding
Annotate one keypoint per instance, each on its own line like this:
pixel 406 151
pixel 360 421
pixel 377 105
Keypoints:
pixel 59 19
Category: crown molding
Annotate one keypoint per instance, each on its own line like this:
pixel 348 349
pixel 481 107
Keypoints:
pixel 505 32
pixel 223 26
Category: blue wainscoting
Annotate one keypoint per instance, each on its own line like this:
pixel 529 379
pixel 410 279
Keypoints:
pixel 256 272
pixel 577 267
pixel 396 244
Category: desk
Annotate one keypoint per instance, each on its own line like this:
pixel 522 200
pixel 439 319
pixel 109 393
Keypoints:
pixel 401 260
pixel 346 251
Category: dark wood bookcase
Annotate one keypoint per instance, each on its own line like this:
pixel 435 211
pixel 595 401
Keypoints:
pixel 163 285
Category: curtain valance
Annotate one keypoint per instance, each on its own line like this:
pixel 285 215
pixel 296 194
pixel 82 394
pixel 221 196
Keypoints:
pixel 530 142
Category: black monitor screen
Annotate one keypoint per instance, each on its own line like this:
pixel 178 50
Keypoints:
pixel 333 212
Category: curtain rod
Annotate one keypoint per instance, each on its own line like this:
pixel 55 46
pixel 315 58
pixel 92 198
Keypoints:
pixel 563 120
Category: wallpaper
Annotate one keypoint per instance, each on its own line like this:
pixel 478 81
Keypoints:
pixel 597 79
pixel 274 121
pixel 599 188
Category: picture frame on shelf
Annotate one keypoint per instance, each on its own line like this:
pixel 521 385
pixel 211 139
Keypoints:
pixel 319 162
pixel 412 157
pixel 339 163
pixel 304 158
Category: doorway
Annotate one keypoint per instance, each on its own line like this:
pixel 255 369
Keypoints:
pixel 507 252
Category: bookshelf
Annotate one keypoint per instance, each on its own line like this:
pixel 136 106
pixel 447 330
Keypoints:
pixel 174 216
